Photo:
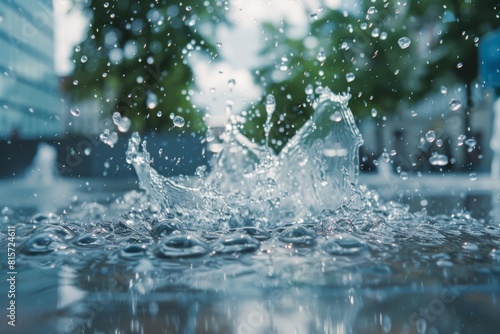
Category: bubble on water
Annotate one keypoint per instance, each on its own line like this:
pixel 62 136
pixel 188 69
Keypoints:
pixel 473 176
pixel 321 56
pixel 430 136
pixel 438 160
pixel 404 42
pixel 181 246
pixel 151 100
pixel 108 138
pixel 270 104
pixel 444 90
pixel 455 104
pixel 75 112
pixel 84 59
pixel 350 77
pixel 309 89
pixel 179 121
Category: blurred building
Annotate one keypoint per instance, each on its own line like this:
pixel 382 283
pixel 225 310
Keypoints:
pixel 29 87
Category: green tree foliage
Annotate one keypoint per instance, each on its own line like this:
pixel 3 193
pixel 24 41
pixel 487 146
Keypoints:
pixel 135 58
pixel 363 52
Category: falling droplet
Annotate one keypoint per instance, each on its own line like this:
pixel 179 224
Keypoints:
pixel 123 123
pixel 403 176
pixel 444 90
pixel 179 121
pixel 455 104
pixel 270 104
pixel 473 176
pixel 108 138
pixel 151 100
pixel 374 112
pixel 87 151
pixel 404 42
pixel 75 112
pixel 83 59
pixel 386 157
pixel 371 10
pixel 460 140
pixel 350 77
pixel 321 56
pixel 430 136
pixel 471 142
pixel 336 116
pixel 159 114
pixel 438 160
pixel 376 32
pixel 230 84
pixel 309 89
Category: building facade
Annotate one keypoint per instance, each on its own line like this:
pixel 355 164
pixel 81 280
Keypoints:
pixel 29 87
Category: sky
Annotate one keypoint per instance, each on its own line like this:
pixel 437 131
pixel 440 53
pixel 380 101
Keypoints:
pixel 239 51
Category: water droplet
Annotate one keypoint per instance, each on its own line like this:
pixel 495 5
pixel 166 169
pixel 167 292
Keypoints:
pixel 455 104
pixel 404 42
pixel 159 114
pixel 371 10
pixel 122 123
pixel 321 56
pixel 179 121
pixel 444 90
pixel 210 136
pixel 75 112
pixel 386 157
pixel 84 59
pixel 350 77
pixel 473 176
pixel 106 4
pixel 270 104
pixel 403 176
pixel 430 136
pixel 376 32
pixel 336 116
pixel 109 138
pixel 460 65
pixel 87 151
pixel 167 227
pixel 460 140
pixel 439 143
pixel 309 89
pixel 438 160
pixel 230 84
pixel 314 16
pixel 471 142
pixel 374 112
pixel 151 100
pixel 218 44
pixel 383 35
pixel 188 8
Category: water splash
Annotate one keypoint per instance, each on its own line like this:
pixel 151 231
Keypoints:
pixel 316 170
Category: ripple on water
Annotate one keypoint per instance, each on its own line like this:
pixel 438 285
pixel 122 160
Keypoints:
pixel 181 246
pixel 345 244
pixel 167 227
pixel 41 243
pixel 298 235
pixel 235 243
